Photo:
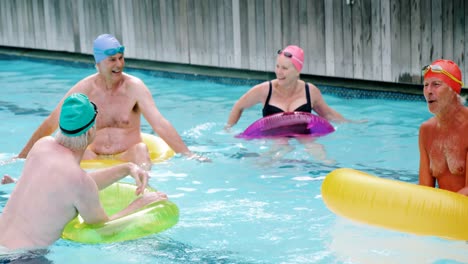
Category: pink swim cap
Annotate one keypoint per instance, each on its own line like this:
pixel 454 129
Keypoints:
pixel 447 71
pixel 296 54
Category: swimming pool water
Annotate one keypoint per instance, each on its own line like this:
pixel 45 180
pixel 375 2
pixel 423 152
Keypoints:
pixel 245 206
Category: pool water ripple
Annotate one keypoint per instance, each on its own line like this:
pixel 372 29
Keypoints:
pixel 249 205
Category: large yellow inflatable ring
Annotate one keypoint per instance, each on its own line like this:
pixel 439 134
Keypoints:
pixel 158 151
pixel 151 219
pixel 396 205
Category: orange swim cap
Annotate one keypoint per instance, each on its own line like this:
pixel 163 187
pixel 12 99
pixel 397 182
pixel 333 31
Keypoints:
pixel 451 68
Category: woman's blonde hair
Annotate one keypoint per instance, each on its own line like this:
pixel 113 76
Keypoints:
pixel 74 143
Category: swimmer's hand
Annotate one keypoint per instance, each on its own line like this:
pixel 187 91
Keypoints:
pixel 228 127
pixel 190 155
pixel 7 179
pixel 141 178
pixel 144 200
pixel 360 121
pixel 150 197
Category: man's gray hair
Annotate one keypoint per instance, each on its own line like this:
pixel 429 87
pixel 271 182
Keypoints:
pixel 74 143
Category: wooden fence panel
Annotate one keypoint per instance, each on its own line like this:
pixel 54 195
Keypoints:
pixel 236 33
pixel 426 33
pixel 270 48
pixel 329 39
pixel 376 40
pixel 436 28
pixel 362 39
pixel 415 42
pixel 367 47
pixel 447 29
pixel 338 39
pixel 317 37
pixel 251 34
pixel 277 33
pixel 405 46
pixel 348 53
pixel 386 41
pixel 458 32
pixel 357 39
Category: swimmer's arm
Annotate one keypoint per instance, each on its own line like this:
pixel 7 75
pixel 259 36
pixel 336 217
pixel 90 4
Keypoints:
pixel 249 99
pixel 47 127
pixel 145 199
pixel 425 177
pixel 157 121
pixel 327 112
pixel 322 108
pixel 161 125
pixel 107 176
pixel 87 202
pixel 90 208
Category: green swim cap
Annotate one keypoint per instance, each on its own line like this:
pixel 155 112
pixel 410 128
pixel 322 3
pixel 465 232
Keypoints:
pixel 77 116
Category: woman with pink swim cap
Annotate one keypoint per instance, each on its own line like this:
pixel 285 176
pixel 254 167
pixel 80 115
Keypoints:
pixel 443 141
pixel 286 93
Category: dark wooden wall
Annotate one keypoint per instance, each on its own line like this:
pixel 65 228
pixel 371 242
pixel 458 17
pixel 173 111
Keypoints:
pixel 376 40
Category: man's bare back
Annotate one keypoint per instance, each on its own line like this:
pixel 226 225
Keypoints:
pixel 53 188
pixel 36 212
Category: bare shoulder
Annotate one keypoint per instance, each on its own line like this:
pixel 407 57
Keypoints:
pixel 313 88
pixel 44 144
pixel 85 84
pixel 261 88
pixel 315 95
pixel 133 80
pixel 427 126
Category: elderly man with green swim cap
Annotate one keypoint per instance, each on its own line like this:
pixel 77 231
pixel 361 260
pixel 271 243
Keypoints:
pixel 36 213
pixel 122 100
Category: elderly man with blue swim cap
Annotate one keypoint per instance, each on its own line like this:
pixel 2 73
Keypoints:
pixel 36 213
pixel 122 99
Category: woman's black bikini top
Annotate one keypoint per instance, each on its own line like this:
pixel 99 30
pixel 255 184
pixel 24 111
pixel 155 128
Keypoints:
pixel 271 109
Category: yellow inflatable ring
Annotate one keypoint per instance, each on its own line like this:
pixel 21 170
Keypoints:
pixel 151 219
pixel 158 150
pixel 396 205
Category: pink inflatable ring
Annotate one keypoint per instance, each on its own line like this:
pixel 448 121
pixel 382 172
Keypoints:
pixel 288 124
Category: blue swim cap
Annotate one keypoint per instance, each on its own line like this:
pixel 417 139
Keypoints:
pixel 105 43
pixel 77 116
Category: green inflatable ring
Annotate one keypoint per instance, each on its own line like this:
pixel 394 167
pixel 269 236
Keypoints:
pixel 151 219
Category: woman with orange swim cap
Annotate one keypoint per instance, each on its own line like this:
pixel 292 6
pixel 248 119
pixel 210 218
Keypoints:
pixel 443 141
